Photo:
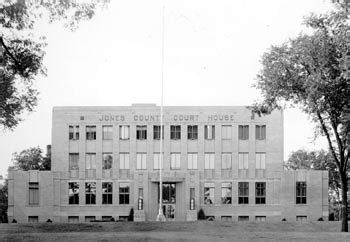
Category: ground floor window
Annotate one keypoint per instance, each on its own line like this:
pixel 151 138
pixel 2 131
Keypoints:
pixel 243 192
pixel 209 190
pixel 107 218
pixel 33 219
pixel 301 218
pixel 124 193
pixel 73 219
pixel 90 192
pixel 169 193
pixel 226 218
pixel 107 192
pixel 260 218
pixel 89 218
pixel 226 193
pixel 73 192
pixel 260 193
pixel 123 218
pixel 243 218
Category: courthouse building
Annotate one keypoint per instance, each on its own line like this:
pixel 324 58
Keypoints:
pixel 224 160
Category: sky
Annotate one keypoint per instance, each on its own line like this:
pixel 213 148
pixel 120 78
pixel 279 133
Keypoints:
pixel 212 53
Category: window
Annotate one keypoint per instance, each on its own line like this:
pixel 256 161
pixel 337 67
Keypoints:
pixel 107 192
pixel 175 132
pixel 73 193
pixel 156 132
pixel 124 132
pixel 90 161
pixel 209 161
pixel 242 161
pixel 107 161
pixel 73 161
pixel 260 192
pixel 33 219
pixel 169 193
pixel 107 132
pixel 226 161
pixel 226 132
pixel 175 161
pixel 124 193
pixel 226 218
pixel 91 132
pixel 243 218
pixel 260 218
pixel 243 192
pixel 192 132
pixel 209 190
pixel 192 161
pixel 107 218
pixel 301 193
pixel 243 132
pixel 73 219
pixel 209 132
pixel 90 193
pixel 74 132
pixel 124 161
pixel 156 160
pixel 141 161
pixel 33 193
pixel 226 193
pixel 192 198
pixel 141 132
pixel 260 132
pixel 89 219
pixel 260 161
pixel 301 218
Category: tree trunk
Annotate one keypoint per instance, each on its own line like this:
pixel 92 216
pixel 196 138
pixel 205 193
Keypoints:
pixel 344 208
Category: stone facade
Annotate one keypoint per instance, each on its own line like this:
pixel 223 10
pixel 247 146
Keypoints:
pixel 188 184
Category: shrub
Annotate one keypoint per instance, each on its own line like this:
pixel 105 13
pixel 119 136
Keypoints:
pixel 49 221
pixel 201 215
pixel 320 219
pixel 284 219
pixel 131 215
pixel 14 221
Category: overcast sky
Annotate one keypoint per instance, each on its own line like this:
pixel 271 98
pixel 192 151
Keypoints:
pixel 212 54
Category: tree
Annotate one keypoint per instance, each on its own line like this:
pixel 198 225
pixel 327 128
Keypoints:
pixel 32 159
pixel 3 202
pixel 318 160
pixel 22 51
pixel 308 72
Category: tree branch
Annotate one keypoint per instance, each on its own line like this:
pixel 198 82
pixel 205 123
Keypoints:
pixel 10 54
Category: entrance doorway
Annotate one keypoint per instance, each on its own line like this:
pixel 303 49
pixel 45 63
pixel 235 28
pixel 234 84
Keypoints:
pixel 169 200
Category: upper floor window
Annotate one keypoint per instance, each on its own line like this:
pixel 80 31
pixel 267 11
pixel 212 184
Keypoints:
pixel 243 132
pixel 124 193
pixel 192 161
pixel 141 161
pixel 209 193
pixel 226 132
pixel 242 161
pixel 260 192
pixel 157 131
pixel 107 192
pixel 73 161
pixel 209 132
pixel 74 132
pixel 209 160
pixel 175 161
pixel 90 193
pixel 124 132
pixel 243 192
pixel 124 161
pixel 260 162
pixel 90 161
pixel 91 132
pixel 141 132
pixel 73 192
pixel 260 132
pixel 192 132
pixel 33 193
pixel 107 132
pixel 226 193
pixel 175 132
pixel 226 161
pixel 301 193
pixel 107 161
pixel 156 160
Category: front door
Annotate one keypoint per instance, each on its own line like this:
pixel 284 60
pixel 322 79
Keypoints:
pixel 169 200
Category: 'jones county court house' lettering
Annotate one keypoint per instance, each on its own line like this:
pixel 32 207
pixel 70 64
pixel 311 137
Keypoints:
pixel 176 117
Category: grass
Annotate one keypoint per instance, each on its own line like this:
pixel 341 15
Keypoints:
pixel 175 231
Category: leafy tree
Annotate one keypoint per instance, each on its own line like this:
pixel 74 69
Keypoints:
pixel 32 159
pixel 22 51
pixel 319 160
pixel 3 202
pixel 308 72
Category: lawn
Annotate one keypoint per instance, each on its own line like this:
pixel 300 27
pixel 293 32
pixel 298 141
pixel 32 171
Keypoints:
pixel 175 231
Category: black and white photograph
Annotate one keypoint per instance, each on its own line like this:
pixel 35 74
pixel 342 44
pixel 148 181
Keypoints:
pixel 174 120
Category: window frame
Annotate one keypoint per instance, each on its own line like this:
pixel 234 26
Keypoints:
pixel 90 132
pixel 225 163
pixel 243 161
pixel 209 193
pixel 192 164
pixel 107 132
pixel 192 132
pixel 175 164
pixel 141 164
pixel 243 132
pixel 156 161
pixel 107 164
pixel 124 193
pixel 71 161
pixel 209 161
pixel 74 186
pixel 243 192
pixel 260 164
pixel 156 132
pixel 90 193
pixel 226 132
pixel 107 192
pixel 226 186
pixel 141 132
pixel 175 132
pixel 124 132
pixel 260 193
pixel 209 132
pixel 301 192
pixel 73 132
pixel 260 132
pixel 33 194
pixel 91 162
pixel 125 162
